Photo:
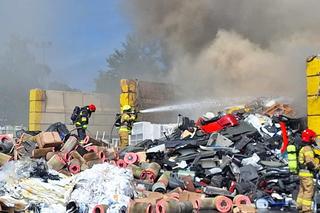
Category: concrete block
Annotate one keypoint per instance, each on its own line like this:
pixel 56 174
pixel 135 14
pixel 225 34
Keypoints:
pixel 108 103
pixel 55 101
pixel 72 99
pixel 101 119
pixel 50 118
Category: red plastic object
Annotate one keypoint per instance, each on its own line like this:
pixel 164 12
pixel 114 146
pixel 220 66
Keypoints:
pixel 221 123
pixel 308 136
pixel 232 186
pixel 284 137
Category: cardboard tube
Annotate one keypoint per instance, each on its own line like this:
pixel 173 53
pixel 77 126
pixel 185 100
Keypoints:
pixel 96 142
pixel 56 162
pixel 65 156
pixel 136 170
pixel 86 139
pixel 74 166
pixel 241 200
pixel 93 162
pixel 151 172
pixel 193 197
pixel 121 163
pixel 70 144
pixel 223 204
pixel 90 156
pixel 100 208
pixel 168 206
pixel 42 152
pixel 4 159
pixel 186 207
pixel 102 155
pixel 92 149
pixel 76 155
pixel 131 158
pixel 220 203
pixel 49 155
pixel 140 207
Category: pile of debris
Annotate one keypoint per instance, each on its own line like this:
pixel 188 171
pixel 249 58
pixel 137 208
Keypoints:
pixel 63 151
pixel 223 163
pixel 232 161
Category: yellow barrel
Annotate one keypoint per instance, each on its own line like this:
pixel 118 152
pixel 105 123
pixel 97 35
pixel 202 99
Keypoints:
pixel 36 107
pixel 128 94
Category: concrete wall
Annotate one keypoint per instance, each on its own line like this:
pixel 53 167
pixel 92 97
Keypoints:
pixel 50 106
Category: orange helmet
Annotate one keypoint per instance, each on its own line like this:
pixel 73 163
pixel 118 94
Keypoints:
pixel 308 136
pixel 92 107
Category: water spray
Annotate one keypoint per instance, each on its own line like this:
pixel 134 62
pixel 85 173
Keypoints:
pixel 209 103
pixel 213 103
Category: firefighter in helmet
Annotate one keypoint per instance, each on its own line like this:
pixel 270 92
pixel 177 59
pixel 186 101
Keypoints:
pixel 80 117
pixel 308 165
pixel 127 117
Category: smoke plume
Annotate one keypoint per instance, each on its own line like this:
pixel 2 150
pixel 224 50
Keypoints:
pixel 233 48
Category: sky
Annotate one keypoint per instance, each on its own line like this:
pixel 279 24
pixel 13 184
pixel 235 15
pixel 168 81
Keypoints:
pixel 73 37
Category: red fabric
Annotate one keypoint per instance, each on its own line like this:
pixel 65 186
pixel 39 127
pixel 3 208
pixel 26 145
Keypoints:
pixel 284 137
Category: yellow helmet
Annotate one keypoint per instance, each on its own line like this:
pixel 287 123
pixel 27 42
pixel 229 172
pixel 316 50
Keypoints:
pixel 126 108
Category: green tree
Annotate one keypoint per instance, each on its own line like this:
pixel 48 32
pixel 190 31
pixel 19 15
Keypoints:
pixel 137 59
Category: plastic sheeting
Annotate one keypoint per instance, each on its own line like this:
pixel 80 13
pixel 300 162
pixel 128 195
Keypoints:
pixel 28 182
pixel 104 184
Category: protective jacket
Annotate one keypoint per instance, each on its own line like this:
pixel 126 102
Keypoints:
pixel 126 121
pixel 307 162
pixel 308 165
pixel 80 116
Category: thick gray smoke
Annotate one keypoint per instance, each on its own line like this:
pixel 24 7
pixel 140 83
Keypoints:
pixel 24 29
pixel 234 47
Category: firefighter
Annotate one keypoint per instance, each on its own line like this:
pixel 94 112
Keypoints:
pixel 127 117
pixel 80 117
pixel 308 165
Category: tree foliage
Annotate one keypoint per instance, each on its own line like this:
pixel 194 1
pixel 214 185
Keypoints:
pixel 137 59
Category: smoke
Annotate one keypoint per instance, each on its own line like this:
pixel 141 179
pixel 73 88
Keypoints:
pixel 25 28
pixel 233 47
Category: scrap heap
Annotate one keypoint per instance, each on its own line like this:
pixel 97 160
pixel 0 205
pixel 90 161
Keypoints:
pixel 234 161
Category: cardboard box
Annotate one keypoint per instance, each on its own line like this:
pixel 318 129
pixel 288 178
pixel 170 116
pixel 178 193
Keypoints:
pixel 49 139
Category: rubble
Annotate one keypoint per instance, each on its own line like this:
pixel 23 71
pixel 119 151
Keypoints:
pixel 235 161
